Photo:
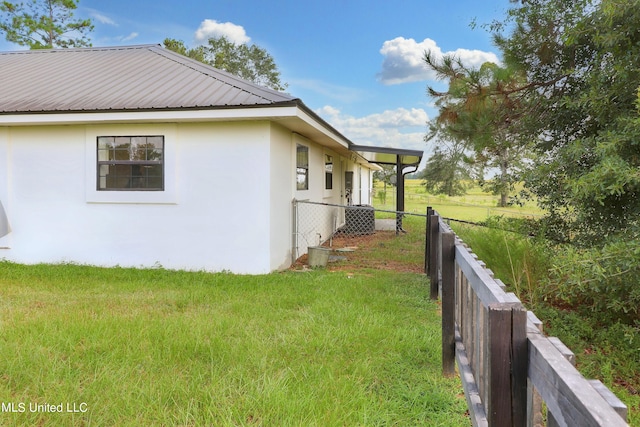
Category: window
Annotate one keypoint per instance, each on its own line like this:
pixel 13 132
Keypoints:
pixel 130 163
pixel 302 167
pixel 328 172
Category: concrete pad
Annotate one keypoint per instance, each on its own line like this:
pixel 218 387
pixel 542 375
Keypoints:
pixel 385 224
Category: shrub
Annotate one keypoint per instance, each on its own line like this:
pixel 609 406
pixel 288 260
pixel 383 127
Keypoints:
pixel 519 261
pixel 603 282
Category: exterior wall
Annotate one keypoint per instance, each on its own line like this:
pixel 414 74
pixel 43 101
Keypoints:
pixel 316 224
pixel 212 221
pixel 224 200
pixel 227 203
pixel 282 164
pixel 362 183
pixel 4 186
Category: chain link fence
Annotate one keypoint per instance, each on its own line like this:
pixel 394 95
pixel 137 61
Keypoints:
pixel 319 224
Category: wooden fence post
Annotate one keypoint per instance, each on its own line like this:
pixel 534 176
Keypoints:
pixel 498 405
pixel 448 303
pixel 506 358
pixel 519 364
pixel 434 230
pixel 427 240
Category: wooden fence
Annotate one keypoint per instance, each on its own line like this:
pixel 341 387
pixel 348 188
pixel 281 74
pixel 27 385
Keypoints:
pixel 508 367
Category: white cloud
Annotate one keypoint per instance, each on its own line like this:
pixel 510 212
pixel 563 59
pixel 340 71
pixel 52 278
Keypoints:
pixel 399 128
pixel 210 28
pixel 131 36
pixel 403 59
pixel 101 17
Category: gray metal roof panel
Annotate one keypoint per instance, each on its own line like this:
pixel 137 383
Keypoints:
pixel 120 78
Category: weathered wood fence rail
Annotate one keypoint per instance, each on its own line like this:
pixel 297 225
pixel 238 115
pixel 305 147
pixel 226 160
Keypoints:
pixel 508 367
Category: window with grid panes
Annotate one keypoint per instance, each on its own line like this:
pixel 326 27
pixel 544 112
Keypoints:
pixel 302 167
pixel 130 163
pixel 328 172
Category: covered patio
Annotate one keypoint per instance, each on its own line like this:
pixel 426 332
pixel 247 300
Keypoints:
pixel 401 159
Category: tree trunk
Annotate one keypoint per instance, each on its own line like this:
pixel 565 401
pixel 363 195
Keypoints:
pixel 504 181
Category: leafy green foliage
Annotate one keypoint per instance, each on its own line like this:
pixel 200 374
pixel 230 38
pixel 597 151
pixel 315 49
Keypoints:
pixel 385 175
pixel 446 172
pixel 600 282
pixel 248 62
pixel 198 53
pixel 519 261
pixel 581 60
pixel 44 24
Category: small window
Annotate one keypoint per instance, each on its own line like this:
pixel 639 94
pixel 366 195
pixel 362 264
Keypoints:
pixel 130 163
pixel 302 167
pixel 328 172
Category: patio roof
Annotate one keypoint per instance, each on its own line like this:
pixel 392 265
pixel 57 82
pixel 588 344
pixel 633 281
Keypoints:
pixel 392 156
pixel 388 155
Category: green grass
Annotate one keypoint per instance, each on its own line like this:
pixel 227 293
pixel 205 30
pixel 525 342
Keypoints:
pixel 405 251
pixel 520 262
pixel 156 347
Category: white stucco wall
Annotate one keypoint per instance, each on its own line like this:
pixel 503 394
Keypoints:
pixel 4 187
pixel 227 203
pixel 281 189
pixel 212 219
pixel 316 223
pixel 224 201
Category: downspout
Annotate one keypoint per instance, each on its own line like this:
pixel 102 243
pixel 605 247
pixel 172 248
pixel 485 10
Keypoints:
pixel 400 192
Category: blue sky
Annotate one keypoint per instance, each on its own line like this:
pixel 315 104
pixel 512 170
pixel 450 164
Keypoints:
pixel 357 63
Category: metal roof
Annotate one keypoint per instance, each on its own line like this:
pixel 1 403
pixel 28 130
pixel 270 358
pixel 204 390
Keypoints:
pixel 144 77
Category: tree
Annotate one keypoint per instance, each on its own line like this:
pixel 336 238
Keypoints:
pixel 449 169
pixel 444 174
pixel 581 59
pixel 248 62
pixel 387 176
pixel 198 53
pixel 44 24
pixel 479 108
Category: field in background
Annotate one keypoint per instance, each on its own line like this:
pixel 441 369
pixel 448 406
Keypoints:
pixel 474 206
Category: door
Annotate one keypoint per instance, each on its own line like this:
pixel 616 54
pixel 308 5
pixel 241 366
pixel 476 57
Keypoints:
pixel 348 186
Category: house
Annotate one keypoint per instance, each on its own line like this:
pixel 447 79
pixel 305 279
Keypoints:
pixel 138 156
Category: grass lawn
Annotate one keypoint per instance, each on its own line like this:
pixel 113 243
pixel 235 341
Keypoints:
pixel 156 347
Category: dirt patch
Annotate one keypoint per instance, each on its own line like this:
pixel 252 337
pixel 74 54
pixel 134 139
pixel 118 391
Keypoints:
pixel 360 253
